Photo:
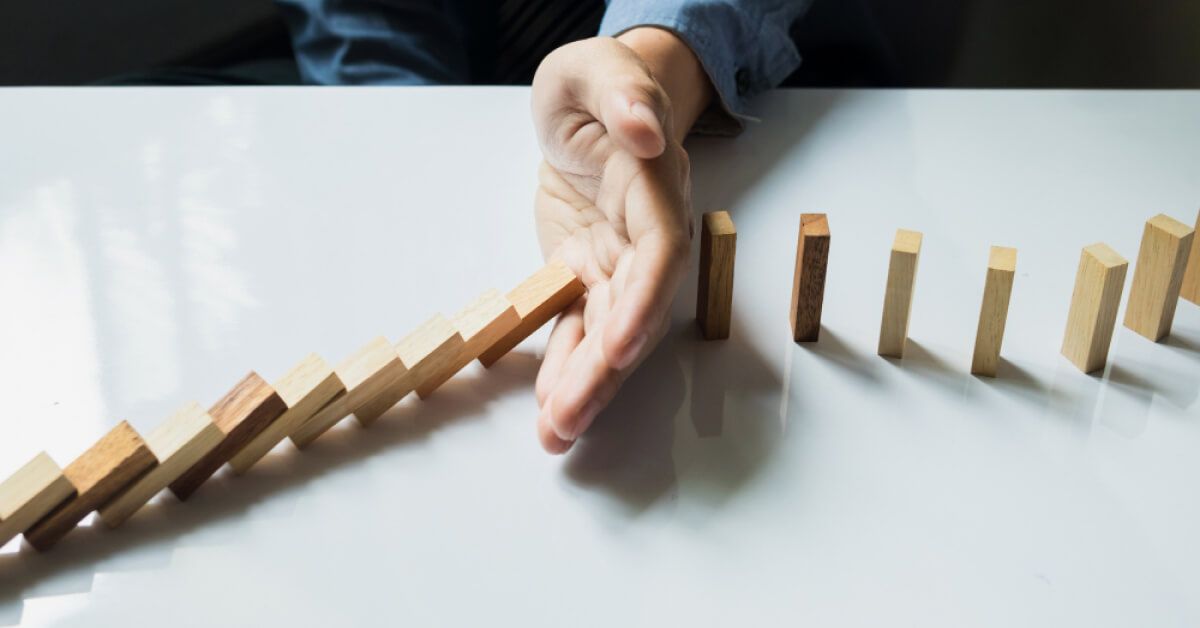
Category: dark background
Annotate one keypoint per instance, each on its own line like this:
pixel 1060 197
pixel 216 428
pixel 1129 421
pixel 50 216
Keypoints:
pixel 916 43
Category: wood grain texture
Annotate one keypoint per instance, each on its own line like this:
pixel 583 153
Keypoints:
pixel 305 389
pixel 1099 282
pixel 993 312
pixel 897 300
pixel 1190 289
pixel 29 493
pixel 241 414
pixel 538 299
pixel 423 352
pixel 1158 276
pixel 178 443
pixel 483 323
pixel 371 370
pixel 99 474
pixel 714 295
pixel 808 282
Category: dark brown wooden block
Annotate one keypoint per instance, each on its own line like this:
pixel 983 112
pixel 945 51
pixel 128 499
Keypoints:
pixel 714 296
pixel 808 284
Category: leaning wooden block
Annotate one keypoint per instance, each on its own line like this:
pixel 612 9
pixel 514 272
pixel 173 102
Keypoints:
pixel 993 313
pixel 424 352
pixel 897 301
pixel 537 299
pixel 808 283
pixel 178 443
pixel 1191 278
pixel 371 370
pixel 305 389
pixel 241 414
pixel 1158 277
pixel 27 495
pixel 481 324
pixel 114 462
pixel 1094 302
pixel 714 295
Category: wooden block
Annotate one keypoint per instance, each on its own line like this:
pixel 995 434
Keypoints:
pixel 178 443
pixel 1093 314
pixel 1158 277
pixel 481 325
pixel 371 370
pixel 1191 278
pixel 537 299
pixel 27 495
pixel 897 300
pixel 424 352
pixel 114 462
pixel 305 389
pixel 993 313
pixel 241 414
pixel 714 296
pixel 808 284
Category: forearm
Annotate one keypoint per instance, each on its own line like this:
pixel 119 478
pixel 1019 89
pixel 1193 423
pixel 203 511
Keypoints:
pixel 676 68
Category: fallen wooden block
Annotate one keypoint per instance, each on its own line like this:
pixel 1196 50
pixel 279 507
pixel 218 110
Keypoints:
pixel 114 462
pixel 178 443
pixel 29 493
pixel 423 352
pixel 371 370
pixel 537 299
pixel 993 313
pixel 808 283
pixel 714 296
pixel 1191 278
pixel 897 300
pixel 481 325
pixel 241 414
pixel 305 389
pixel 1094 302
pixel 1158 277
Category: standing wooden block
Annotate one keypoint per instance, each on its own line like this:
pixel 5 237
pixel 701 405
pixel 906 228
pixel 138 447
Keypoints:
pixel 1093 314
pixel 897 300
pixel 537 299
pixel 241 414
pixel 27 495
pixel 481 325
pixel 714 297
pixel 307 388
pixel 808 284
pixel 1191 278
pixel 371 370
pixel 993 314
pixel 1158 277
pixel 423 352
pixel 178 443
pixel 114 462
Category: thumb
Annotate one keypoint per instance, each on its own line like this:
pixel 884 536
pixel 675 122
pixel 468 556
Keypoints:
pixel 632 120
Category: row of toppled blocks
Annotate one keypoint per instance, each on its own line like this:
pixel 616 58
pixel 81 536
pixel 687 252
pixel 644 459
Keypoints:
pixel 1168 268
pixel 123 471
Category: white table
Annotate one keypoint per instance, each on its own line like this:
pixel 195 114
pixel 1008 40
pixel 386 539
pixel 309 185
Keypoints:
pixel 156 244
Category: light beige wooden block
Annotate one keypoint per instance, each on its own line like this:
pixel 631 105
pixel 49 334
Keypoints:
pixel 714 292
pixel 993 313
pixel 537 300
pixel 1191 278
pixel 307 388
pixel 29 493
pixel 371 370
pixel 1158 277
pixel 1094 302
pixel 424 352
pixel 897 300
pixel 481 324
pixel 178 443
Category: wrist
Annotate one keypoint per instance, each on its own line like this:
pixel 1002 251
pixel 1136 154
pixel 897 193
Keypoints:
pixel 677 69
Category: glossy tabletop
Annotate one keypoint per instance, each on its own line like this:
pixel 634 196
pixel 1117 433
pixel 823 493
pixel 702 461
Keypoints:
pixel 156 244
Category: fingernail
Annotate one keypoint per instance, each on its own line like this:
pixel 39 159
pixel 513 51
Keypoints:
pixel 631 351
pixel 585 419
pixel 643 112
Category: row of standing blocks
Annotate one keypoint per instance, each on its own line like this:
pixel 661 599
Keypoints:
pixel 1168 268
pixel 122 471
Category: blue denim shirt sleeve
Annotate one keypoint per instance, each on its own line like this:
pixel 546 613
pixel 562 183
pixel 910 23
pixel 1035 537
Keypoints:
pixel 743 45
